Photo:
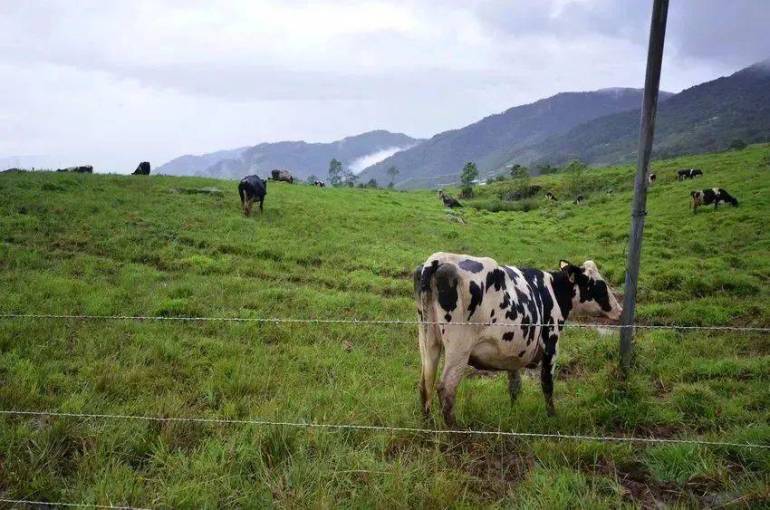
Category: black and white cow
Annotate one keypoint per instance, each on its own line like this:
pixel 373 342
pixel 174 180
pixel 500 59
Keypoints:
pixel 711 196
pixel 651 178
pixel 688 173
pixel 448 200
pixel 320 184
pixel 579 200
pixel 252 189
pixel 509 318
pixel 550 196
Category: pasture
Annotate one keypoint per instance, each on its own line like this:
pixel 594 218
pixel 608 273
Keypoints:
pixel 103 245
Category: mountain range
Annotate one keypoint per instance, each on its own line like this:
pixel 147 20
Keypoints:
pixel 303 159
pixel 599 128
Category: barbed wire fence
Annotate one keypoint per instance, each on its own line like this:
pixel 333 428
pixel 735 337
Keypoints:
pixel 557 436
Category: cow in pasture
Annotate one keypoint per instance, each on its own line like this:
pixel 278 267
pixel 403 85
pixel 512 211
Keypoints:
pixel 651 178
pixel 579 200
pixel 320 184
pixel 711 196
pixel 688 173
pixel 497 317
pixel 282 175
pixel 142 169
pixel 252 189
pixel 551 196
pixel 448 201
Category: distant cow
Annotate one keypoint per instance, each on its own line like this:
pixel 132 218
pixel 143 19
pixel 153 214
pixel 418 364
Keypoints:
pixel 651 178
pixel 143 168
pixel 282 175
pixel 711 196
pixel 688 173
pixel 320 184
pixel 252 189
pixel 448 201
pixel 551 196
pixel 579 200
pixel 499 318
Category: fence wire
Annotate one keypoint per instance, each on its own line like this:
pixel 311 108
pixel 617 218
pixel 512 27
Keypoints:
pixel 27 502
pixel 353 321
pixel 384 428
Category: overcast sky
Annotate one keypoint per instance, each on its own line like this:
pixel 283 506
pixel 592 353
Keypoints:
pixel 113 83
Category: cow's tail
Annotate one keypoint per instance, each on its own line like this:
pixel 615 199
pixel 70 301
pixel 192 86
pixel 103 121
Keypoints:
pixel 241 192
pixel 425 289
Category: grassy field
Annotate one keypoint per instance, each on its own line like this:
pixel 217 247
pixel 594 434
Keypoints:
pixel 97 244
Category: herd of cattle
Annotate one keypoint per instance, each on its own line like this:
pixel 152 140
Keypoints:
pixel 714 196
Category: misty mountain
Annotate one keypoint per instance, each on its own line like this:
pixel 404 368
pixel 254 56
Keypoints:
pixel 194 165
pixel 491 141
pixel 703 118
pixel 301 158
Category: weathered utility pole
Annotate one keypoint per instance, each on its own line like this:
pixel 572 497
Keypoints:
pixel 638 209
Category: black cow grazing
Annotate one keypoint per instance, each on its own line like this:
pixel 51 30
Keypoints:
pixel 551 196
pixel 651 178
pixel 143 168
pixel 688 173
pixel 282 175
pixel 320 184
pixel 497 317
pixel 252 189
pixel 448 200
pixel 711 196
pixel 579 200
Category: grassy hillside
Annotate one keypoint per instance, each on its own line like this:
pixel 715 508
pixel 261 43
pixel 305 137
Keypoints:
pixel 95 244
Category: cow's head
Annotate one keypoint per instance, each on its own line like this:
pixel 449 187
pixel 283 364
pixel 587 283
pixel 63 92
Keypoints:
pixel 592 294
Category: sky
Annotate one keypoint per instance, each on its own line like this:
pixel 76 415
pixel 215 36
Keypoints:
pixel 115 83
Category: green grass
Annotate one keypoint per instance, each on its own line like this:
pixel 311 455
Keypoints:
pixel 96 244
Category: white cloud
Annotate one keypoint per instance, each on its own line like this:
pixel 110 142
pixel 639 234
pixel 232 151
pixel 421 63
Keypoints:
pixel 375 157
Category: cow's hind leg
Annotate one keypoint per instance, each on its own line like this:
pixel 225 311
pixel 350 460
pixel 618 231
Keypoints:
pixel 514 384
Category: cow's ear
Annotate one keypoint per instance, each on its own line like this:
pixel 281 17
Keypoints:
pixel 564 264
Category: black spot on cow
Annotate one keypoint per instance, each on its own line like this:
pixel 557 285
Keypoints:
pixel 471 265
pixel 506 301
pixel 448 317
pixel 495 278
pixel 446 283
pixel 521 354
pixel 493 313
pixel 508 336
pixel 477 294
pixel 511 273
pixel 427 274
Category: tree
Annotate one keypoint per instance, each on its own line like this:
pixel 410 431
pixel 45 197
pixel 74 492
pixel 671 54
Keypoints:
pixel 574 171
pixel 469 174
pixel 372 183
pixel 349 178
pixel 312 179
pixel 335 172
pixel 520 177
pixel 738 144
pixel 392 172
